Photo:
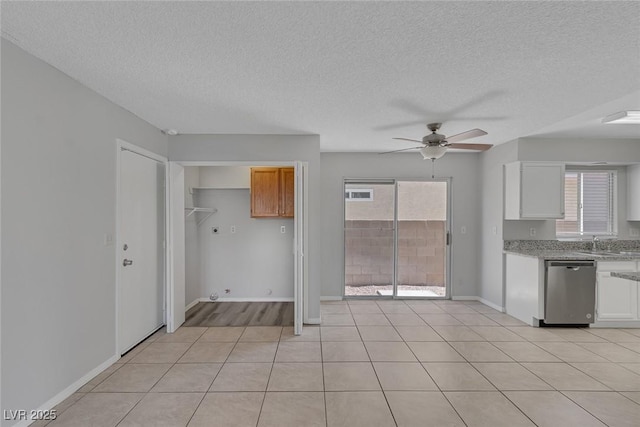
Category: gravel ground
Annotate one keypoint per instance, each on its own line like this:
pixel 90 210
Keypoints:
pixel 373 289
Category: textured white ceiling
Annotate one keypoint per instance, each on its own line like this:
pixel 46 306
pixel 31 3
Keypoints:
pixel 356 73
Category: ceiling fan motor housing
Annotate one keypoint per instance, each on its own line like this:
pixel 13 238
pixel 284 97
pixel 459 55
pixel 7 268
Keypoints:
pixel 433 139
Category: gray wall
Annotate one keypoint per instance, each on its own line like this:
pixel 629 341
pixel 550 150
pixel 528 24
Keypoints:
pixel 259 149
pixel 492 205
pixel 463 168
pixel 58 198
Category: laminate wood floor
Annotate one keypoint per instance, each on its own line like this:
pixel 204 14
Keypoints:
pixel 240 314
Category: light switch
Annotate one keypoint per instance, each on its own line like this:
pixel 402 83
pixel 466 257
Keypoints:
pixel 463 229
pixel 108 239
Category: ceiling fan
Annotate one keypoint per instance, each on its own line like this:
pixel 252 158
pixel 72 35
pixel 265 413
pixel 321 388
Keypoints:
pixel 435 144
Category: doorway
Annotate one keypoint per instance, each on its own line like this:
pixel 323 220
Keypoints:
pixel 140 245
pixel 240 253
pixel 396 238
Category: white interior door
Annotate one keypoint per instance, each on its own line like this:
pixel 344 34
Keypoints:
pixel 300 248
pixel 176 289
pixel 140 252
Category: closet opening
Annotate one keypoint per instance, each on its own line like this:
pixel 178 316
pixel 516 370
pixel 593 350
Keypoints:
pixel 243 232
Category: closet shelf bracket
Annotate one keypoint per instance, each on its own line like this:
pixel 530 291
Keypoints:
pixel 207 211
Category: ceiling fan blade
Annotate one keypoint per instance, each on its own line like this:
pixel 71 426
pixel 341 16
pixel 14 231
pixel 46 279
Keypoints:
pixel 407 139
pixel 466 135
pixel 403 149
pixel 479 147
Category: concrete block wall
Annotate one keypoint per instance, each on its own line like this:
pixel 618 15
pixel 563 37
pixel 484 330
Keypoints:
pixel 369 253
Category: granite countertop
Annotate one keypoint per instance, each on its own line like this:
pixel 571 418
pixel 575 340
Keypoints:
pixel 570 255
pixel 631 275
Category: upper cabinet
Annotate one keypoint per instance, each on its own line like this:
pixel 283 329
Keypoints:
pixel 534 190
pixel 633 193
pixel 272 192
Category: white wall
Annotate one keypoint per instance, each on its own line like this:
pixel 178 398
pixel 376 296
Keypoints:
pixel 463 168
pixel 58 198
pixel 250 262
pixel 191 248
pixel 254 260
pixel 491 208
pixel 262 149
pixel 225 177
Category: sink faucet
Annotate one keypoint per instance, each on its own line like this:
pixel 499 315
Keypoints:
pixel 594 244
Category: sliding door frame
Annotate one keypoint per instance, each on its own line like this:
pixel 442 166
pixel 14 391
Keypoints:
pixel 448 241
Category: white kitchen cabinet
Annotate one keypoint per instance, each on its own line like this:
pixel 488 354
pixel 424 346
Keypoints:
pixel 617 298
pixel 534 190
pixel 633 193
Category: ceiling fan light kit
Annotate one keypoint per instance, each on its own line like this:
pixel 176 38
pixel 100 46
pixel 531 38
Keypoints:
pixel 432 152
pixel 623 117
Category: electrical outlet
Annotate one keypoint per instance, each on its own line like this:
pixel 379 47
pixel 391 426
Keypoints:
pixel 215 230
pixel 233 229
pixel 283 229
pixel 634 232
pixel 532 231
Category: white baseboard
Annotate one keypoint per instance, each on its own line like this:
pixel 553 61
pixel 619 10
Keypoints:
pixel 492 305
pixel 193 303
pixel 338 298
pixel 313 321
pixel 51 403
pixel 616 324
pixel 482 300
pixel 274 299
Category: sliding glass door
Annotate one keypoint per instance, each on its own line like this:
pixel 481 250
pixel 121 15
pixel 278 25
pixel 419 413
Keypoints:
pixel 396 238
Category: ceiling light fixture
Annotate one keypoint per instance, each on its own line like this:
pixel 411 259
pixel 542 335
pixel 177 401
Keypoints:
pixel 433 152
pixel 627 117
pixel 170 132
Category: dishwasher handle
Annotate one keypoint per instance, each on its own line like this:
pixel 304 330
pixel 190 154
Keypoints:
pixel 573 265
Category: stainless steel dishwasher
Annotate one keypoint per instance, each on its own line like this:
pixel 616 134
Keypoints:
pixel 569 292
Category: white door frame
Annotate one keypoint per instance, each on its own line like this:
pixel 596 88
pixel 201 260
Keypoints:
pixel 120 146
pixel 300 294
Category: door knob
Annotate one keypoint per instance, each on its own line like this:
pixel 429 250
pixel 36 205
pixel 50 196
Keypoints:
pixel 127 262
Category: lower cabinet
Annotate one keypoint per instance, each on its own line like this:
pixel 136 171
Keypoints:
pixel 617 298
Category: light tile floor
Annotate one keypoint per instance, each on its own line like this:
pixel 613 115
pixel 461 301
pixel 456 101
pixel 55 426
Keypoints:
pixel 371 363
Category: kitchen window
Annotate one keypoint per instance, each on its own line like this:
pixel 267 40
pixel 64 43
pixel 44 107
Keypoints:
pixel 589 204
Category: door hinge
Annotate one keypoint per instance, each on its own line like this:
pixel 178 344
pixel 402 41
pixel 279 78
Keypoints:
pixel 448 238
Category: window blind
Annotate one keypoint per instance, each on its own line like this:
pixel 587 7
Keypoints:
pixel 589 203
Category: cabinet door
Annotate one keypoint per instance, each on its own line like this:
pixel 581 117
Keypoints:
pixel 617 298
pixel 542 191
pixel 265 198
pixel 633 193
pixel 287 195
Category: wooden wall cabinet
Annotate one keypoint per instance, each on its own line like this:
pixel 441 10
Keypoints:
pixel 272 192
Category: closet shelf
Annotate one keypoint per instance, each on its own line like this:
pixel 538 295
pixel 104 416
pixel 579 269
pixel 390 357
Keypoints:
pixel 207 211
pixel 192 189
